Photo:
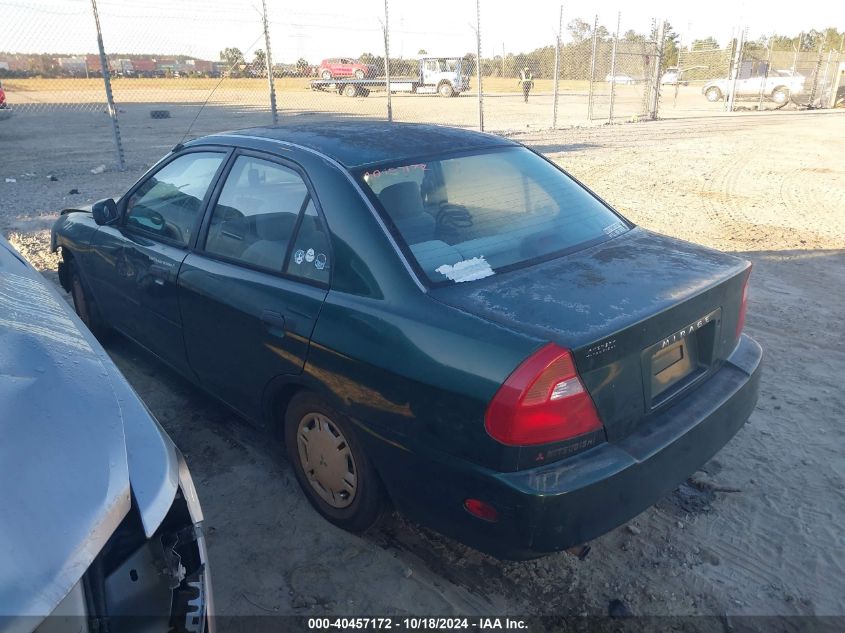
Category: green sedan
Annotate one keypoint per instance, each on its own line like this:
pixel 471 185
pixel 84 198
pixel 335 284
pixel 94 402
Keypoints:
pixel 431 319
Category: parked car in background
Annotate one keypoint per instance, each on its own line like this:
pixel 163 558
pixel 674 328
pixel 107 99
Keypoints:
pixel 620 79
pixel 444 76
pixel 752 79
pixel 673 77
pixel 101 520
pixel 2 97
pixel 344 67
pixel 432 318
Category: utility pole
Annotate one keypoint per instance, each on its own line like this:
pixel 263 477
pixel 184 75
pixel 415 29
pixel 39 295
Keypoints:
pixel 387 61
pixel 557 67
pixel 268 58
pixel 478 64
pixel 104 66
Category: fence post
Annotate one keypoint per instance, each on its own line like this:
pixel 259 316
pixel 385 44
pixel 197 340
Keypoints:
pixel 557 68
pixel 654 97
pixel 816 74
pixel 478 64
pixel 613 67
pixel 268 58
pixel 104 66
pixel 387 61
pixel 592 70
pixel 740 43
pixel 765 77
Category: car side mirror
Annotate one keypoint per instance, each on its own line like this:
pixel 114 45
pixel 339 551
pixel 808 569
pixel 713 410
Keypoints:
pixel 104 211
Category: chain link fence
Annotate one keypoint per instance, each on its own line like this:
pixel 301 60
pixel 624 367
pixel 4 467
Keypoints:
pixel 754 76
pixel 210 66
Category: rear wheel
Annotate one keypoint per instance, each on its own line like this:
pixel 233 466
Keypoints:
pixel 85 307
pixel 349 91
pixel 780 95
pixel 713 94
pixel 326 74
pixel 330 465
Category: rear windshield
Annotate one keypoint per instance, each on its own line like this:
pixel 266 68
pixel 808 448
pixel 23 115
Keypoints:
pixel 466 217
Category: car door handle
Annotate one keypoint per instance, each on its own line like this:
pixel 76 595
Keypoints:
pixel 160 273
pixel 273 319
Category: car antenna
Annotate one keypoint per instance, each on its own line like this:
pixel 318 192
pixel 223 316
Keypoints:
pixel 223 76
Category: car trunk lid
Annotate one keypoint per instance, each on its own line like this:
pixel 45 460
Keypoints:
pixel 647 317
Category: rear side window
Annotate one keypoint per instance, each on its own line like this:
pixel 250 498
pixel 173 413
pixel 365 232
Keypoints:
pixel 266 214
pixel 168 202
pixel 310 257
pixel 255 216
pixel 466 217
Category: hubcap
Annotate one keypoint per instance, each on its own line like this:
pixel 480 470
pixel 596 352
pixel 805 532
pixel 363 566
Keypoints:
pixel 327 460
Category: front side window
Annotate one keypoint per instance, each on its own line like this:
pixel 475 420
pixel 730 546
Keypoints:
pixel 168 202
pixel 256 213
pixel 464 218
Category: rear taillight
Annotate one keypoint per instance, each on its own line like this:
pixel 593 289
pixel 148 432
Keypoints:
pixel 542 401
pixel 743 305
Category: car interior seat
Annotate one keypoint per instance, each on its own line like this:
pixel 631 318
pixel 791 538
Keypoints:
pixel 403 202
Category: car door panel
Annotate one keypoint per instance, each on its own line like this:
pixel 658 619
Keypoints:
pixel 135 263
pixel 140 297
pixel 251 292
pixel 244 327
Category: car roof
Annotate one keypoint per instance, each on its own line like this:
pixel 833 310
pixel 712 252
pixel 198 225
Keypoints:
pixel 357 143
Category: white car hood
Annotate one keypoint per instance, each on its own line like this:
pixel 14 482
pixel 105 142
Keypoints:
pixel 76 444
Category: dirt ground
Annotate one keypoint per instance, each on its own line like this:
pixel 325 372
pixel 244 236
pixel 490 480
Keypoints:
pixel 504 108
pixel 757 531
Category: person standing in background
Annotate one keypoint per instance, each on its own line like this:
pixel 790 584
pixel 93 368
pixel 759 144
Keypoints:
pixel 526 80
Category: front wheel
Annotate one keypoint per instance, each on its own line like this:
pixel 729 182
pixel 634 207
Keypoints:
pixel 713 94
pixel 446 89
pixel 359 74
pixel 349 91
pixel 85 307
pixel 330 465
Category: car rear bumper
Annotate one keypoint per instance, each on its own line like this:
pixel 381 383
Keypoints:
pixel 570 502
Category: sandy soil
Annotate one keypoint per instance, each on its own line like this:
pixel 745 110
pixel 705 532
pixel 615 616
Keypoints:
pixel 504 109
pixel 757 531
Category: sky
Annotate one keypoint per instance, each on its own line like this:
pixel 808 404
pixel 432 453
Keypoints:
pixel 331 28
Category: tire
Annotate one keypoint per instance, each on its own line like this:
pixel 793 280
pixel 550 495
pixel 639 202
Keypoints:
pixel 713 94
pixel 445 89
pixel 359 74
pixel 349 90
pixel 333 472
pixel 780 95
pixel 84 306
pixel 326 74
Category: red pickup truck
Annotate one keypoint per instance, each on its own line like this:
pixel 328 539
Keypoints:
pixel 344 67
pixel 2 97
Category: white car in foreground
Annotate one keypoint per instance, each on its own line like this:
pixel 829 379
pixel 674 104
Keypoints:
pixel 101 528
